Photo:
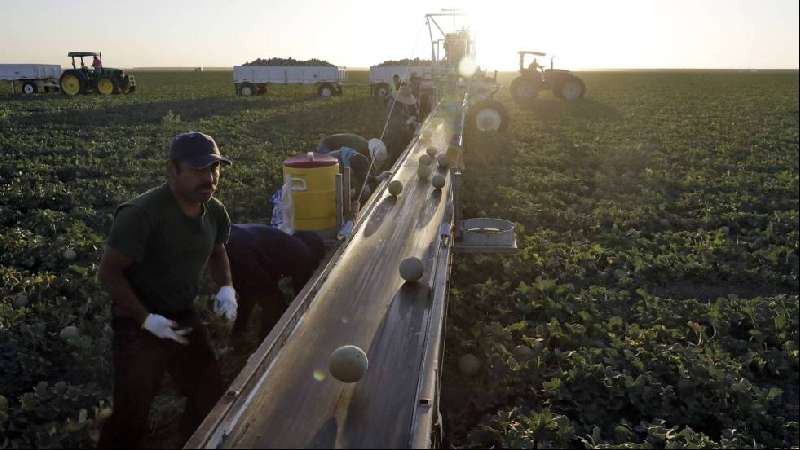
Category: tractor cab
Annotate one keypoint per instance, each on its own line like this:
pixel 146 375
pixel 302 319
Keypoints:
pixel 82 55
pixel 534 65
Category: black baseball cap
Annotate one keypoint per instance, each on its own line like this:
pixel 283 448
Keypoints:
pixel 196 149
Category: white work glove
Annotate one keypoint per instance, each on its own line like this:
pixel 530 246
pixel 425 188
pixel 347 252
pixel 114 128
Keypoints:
pixel 164 328
pixel 225 304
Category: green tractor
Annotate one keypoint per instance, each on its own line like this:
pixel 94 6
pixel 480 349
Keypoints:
pixel 534 78
pixel 103 80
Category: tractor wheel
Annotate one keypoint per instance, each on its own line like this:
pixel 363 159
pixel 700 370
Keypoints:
pixel 571 89
pixel 71 84
pixel 524 90
pixel 247 90
pixel 325 90
pixel 487 116
pixel 29 88
pixel 106 86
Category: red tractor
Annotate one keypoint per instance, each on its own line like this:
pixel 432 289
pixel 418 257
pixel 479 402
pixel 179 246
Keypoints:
pixel 535 78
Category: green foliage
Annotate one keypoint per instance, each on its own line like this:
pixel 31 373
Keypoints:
pixel 65 163
pixel 654 295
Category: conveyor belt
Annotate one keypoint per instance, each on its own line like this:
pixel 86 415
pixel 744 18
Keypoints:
pixel 285 396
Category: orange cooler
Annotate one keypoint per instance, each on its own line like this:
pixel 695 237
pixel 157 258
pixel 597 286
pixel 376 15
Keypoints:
pixel 313 190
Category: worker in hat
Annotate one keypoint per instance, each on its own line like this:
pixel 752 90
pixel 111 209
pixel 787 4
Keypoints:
pixel 364 157
pixel 260 257
pixel 159 243
pixel 336 141
pixel 97 64
pixel 535 66
pixel 402 122
pixel 426 92
pixel 394 86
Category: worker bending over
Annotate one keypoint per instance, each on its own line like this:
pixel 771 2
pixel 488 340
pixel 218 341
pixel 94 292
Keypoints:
pixel 365 158
pixel 260 256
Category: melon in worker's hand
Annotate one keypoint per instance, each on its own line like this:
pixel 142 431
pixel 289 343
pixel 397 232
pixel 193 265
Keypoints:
pixel 348 364
pixel 411 269
pixel 395 187
pixel 438 181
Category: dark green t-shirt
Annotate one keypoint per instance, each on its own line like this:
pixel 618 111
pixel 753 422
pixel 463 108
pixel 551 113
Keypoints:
pixel 170 249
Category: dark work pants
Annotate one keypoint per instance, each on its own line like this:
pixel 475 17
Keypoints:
pixel 140 362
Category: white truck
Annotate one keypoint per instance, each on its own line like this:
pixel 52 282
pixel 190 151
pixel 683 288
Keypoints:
pixel 380 76
pixel 253 79
pixel 32 78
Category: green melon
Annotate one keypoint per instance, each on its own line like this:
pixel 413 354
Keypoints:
pixel 411 269
pixel 438 181
pixel 348 364
pixel 395 187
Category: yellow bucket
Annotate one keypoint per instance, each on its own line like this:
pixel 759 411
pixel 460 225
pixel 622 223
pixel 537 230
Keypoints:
pixel 313 189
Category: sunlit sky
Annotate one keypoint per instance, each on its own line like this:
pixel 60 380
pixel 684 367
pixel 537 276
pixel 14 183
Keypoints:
pixel 582 34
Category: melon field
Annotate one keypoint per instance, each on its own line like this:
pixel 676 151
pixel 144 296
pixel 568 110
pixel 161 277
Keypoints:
pixel 653 301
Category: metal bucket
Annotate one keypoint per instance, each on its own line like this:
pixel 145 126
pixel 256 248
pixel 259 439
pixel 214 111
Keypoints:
pixel 485 231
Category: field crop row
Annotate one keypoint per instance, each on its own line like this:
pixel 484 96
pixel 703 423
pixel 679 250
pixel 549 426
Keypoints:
pixel 65 163
pixel 654 299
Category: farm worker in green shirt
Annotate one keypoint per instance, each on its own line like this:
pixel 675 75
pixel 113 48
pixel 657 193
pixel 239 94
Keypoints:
pixel 159 244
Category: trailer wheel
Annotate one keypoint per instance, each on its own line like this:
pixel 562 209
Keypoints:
pixel 487 116
pixel 247 90
pixel 338 91
pixel 29 88
pixel 572 89
pixel 326 90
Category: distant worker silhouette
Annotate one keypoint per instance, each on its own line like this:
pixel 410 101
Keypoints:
pixel 535 67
